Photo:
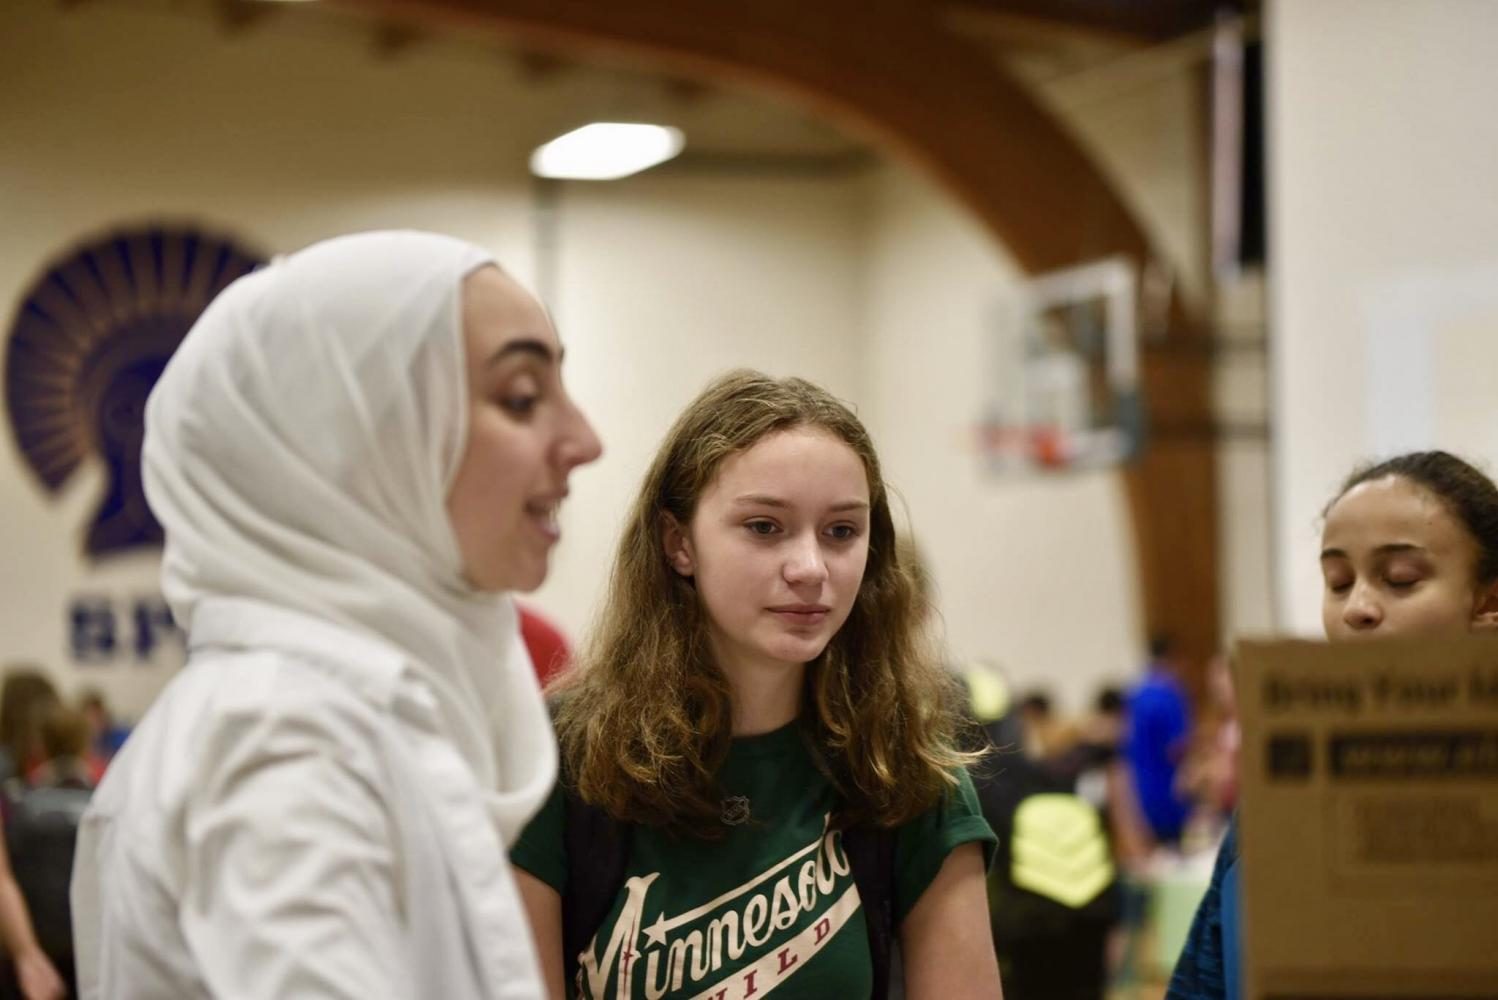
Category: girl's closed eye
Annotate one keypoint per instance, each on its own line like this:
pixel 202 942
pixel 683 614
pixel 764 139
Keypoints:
pixel 1338 579
pixel 1403 579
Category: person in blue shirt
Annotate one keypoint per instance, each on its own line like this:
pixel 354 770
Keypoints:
pixel 1156 742
pixel 108 735
pixel 1408 547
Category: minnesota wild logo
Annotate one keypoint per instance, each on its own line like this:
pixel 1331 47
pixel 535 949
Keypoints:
pixel 87 344
pixel 742 943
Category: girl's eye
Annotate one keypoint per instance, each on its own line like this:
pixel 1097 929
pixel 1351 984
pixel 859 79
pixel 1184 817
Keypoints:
pixel 1402 582
pixel 761 527
pixel 1338 585
pixel 843 532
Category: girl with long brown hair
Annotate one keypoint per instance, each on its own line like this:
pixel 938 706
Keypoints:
pixel 759 734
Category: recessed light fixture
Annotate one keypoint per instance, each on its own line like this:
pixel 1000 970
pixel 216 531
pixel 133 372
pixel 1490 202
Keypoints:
pixel 606 151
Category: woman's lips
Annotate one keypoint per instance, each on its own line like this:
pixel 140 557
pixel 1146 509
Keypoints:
pixel 543 514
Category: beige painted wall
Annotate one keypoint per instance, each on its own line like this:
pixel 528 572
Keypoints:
pixel 1384 247
pixel 1035 574
pixel 877 286
pixel 121 113
pixel 667 281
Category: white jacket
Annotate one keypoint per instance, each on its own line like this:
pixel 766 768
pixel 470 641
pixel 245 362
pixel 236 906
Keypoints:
pixel 319 805
pixel 288 821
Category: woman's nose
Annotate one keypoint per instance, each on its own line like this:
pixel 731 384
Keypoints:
pixel 580 443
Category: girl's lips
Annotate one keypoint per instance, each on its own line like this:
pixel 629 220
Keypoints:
pixel 803 617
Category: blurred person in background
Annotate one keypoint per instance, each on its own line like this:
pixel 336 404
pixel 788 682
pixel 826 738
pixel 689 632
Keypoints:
pixel 1045 735
pixel 548 647
pixel 1054 892
pixel 28 972
pixel 67 755
pixel 1158 737
pixel 1210 775
pixel 26 698
pixel 1409 548
pixel 46 808
pixel 1106 723
pixel 26 695
pixel 107 734
pixel 1096 756
pixel 356 454
pixel 1054 935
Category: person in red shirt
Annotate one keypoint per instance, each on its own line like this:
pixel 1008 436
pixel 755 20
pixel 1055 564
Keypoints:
pixel 550 653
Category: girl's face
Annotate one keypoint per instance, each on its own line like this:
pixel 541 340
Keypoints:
pixel 1397 562
pixel 777 549
pixel 525 436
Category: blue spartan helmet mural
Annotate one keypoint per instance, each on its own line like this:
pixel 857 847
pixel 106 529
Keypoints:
pixel 88 342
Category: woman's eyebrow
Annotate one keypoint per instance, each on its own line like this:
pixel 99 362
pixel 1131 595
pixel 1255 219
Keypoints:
pixel 526 345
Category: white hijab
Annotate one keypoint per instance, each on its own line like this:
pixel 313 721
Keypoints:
pixel 299 450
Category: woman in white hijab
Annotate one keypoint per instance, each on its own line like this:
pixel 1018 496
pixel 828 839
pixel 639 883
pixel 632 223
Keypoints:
pixel 355 453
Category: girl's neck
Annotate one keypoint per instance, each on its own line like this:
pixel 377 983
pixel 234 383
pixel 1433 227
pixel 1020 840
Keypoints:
pixel 764 695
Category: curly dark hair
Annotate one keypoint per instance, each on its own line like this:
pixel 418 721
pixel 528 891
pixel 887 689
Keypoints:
pixel 1469 495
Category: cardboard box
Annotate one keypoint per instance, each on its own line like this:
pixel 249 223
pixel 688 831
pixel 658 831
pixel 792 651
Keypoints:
pixel 1368 819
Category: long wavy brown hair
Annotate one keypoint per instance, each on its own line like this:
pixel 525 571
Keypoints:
pixel 26 695
pixel 644 718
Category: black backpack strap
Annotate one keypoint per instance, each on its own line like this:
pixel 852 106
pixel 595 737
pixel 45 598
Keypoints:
pixel 597 857
pixel 871 855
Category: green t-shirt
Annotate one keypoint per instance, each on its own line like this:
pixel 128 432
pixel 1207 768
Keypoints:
pixel 770 905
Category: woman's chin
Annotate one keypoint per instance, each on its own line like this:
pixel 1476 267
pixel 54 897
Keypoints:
pixel 520 577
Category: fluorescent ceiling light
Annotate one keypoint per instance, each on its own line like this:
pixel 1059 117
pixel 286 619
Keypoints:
pixel 606 151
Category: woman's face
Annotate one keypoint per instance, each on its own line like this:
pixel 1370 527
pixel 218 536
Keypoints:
pixel 525 436
pixel 777 548
pixel 1396 562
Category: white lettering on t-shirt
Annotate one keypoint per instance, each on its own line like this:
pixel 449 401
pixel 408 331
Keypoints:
pixel 775 968
pixel 678 952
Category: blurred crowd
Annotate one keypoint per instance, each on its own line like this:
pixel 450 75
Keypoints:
pixel 1093 810
pixel 1089 808
pixel 53 751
